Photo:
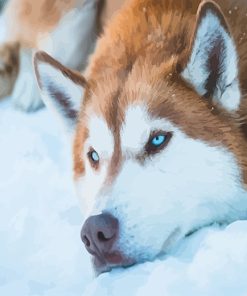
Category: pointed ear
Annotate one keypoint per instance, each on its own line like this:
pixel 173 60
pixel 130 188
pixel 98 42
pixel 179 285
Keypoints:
pixel 212 64
pixel 61 88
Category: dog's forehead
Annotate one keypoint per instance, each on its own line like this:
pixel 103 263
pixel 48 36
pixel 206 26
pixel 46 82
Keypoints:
pixel 111 93
pixel 133 130
pixel 126 111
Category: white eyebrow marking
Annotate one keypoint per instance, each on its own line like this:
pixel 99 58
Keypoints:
pixel 138 126
pixel 100 136
pixel 135 131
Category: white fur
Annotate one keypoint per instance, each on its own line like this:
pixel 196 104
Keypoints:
pixel 26 96
pixel 228 90
pixel 188 185
pixel 50 75
pixel 101 140
pixel 135 132
pixel 100 137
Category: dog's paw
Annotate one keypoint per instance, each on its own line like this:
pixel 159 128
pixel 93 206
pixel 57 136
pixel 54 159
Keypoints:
pixel 26 96
pixel 9 66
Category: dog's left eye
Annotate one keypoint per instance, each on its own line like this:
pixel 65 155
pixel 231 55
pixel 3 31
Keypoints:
pixel 93 158
pixel 158 141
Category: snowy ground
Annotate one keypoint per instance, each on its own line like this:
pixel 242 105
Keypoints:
pixel 40 248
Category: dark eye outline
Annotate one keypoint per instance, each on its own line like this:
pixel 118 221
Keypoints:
pixel 94 163
pixel 150 148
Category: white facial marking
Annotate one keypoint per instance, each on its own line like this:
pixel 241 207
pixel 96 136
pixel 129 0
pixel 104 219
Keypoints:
pixel 137 128
pixel 187 185
pixel 102 141
pixel 88 188
pixel 134 132
pixel 100 137
pixel 209 33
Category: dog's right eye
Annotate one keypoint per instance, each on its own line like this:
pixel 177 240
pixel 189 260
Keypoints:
pixel 157 141
pixel 94 158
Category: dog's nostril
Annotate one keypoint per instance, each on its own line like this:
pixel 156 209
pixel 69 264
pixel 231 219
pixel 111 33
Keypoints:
pixel 102 237
pixel 86 241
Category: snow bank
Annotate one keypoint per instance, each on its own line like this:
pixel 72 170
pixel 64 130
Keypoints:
pixel 212 262
pixel 40 248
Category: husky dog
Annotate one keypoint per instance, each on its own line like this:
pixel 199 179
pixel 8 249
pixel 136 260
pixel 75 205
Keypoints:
pixel 158 125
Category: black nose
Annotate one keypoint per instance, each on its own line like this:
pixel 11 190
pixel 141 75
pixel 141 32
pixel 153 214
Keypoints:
pixel 99 234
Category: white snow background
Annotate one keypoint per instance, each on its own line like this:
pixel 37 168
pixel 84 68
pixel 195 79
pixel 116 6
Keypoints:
pixel 40 248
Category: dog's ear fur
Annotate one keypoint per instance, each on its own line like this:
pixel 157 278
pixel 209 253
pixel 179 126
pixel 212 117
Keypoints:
pixel 212 64
pixel 61 88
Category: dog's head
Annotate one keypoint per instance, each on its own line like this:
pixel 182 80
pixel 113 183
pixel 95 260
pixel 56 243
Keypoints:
pixel 158 151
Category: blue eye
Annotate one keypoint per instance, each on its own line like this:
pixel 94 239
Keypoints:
pixel 158 140
pixel 93 157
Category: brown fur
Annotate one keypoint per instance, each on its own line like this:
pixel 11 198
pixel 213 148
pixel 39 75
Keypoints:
pixel 138 59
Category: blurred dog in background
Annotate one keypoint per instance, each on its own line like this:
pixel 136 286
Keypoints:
pixel 61 28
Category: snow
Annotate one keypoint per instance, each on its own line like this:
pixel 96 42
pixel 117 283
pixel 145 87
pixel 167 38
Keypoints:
pixel 40 248
pixel 40 251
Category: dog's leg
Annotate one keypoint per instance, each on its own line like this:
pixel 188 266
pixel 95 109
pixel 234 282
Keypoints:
pixel 26 96
pixel 71 43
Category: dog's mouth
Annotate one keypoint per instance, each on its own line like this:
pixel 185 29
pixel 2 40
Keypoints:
pixel 109 261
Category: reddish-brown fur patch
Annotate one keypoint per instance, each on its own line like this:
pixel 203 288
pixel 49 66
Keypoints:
pixel 137 60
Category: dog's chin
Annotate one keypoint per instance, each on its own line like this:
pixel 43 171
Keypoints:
pixel 110 261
